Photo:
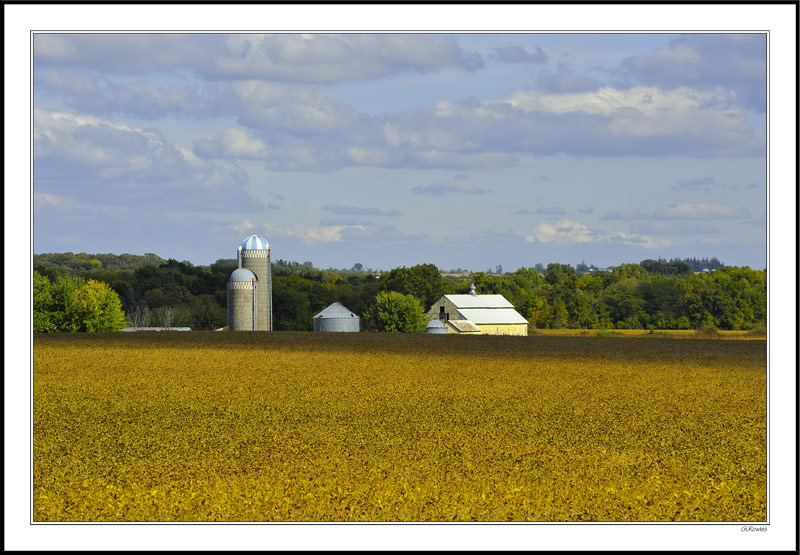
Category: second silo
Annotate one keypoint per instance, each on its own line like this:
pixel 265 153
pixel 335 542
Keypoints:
pixel 336 317
pixel 242 300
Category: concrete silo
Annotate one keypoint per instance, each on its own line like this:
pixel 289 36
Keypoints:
pixel 336 318
pixel 242 300
pixel 254 255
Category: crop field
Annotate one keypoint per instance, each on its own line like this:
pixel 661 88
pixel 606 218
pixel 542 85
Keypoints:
pixel 298 426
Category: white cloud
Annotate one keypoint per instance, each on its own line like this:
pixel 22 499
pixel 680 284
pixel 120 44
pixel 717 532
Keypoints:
pixel 289 57
pixel 682 211
pixel 737 62
pixel 562 232
pixel 647 111
pixel 103 162
pixel 314 235
pixel 242 227
pixel 292 127
pixel 233 143
pixel 322 58
pixel 567 232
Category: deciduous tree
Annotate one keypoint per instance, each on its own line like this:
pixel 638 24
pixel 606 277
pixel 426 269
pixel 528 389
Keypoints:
pixel 396 312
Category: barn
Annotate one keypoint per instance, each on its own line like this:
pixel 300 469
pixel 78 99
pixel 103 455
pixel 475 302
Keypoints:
pixel 483 314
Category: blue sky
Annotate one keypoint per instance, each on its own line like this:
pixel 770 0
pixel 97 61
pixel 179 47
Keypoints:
pixel 462 150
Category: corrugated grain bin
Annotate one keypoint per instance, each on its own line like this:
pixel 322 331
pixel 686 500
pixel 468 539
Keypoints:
pixel 436 326
pixel 336 318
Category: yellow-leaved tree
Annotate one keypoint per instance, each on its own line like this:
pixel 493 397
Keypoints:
pixel 96 307
pixel 74 304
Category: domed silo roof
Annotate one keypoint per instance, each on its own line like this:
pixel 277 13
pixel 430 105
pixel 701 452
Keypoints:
pixel 436 326
pixel 255 242
pixel 242 274
pixel 336 317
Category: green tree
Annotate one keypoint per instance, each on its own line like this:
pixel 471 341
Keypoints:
pixel 290 307
pixel 205 314
pixel 625 306
pixel 560 314
pixel 560 276
pixel 42 304
pixel 628 271
pixel 79 305
pixel 423 281
pixel 396 312
pixel 63 309
pixel 95 307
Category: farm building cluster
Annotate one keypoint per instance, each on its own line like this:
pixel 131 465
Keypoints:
pixel 473 313
pixel 250 303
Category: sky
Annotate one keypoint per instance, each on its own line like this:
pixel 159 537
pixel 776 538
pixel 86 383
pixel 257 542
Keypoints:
pixel 468 151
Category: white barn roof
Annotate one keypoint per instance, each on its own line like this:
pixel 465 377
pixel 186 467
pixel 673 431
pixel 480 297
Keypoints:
pixel 492 316
pixel 479 301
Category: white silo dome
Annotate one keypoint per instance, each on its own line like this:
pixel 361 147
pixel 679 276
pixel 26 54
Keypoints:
pixel 242 274
pixel 255 242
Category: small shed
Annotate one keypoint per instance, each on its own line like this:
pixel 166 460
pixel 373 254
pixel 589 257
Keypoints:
pixel 436 326
pixel 336 317
pixel 463 326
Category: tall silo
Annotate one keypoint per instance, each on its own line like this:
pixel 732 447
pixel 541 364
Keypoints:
pixel 254 255
pixel 242 300
pixel 436 326
pixel 336 318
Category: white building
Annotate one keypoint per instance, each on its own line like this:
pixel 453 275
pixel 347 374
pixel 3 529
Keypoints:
pixel 479 314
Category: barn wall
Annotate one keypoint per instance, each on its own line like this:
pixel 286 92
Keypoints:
pixel 449 307
pixel 504 329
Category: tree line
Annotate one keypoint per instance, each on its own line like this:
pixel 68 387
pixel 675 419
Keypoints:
pixel 654 294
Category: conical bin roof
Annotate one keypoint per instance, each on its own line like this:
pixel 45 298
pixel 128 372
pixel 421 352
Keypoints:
pixel 336 310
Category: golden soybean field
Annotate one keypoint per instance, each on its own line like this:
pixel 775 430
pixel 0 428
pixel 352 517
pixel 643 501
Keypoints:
pixel 299 426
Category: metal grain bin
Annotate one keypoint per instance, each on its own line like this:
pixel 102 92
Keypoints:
pixel 436 326
pixel 336 318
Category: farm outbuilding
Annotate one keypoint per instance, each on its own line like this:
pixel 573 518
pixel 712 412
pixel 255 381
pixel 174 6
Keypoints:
pixel 436 326
pixel 473 313
pixel 337 317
